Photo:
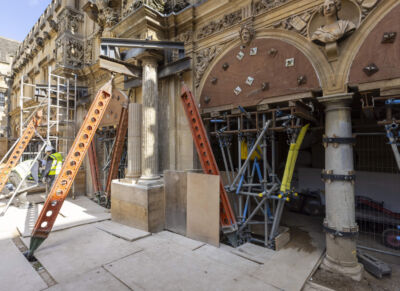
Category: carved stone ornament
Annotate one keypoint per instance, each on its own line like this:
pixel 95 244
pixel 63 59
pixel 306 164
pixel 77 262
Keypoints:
pixel 39 41
pixel 265 5
pixel 133 7
pixel 334 29
pixel 104 12
pixel 218 25
pixel 88 56
pixel 185 37
pixel 203 60
pixel 175 6
pixel 246 33
pixel 69 52
pixel 53 25
pixel 367 6
pixel 297 23
pixel 70 20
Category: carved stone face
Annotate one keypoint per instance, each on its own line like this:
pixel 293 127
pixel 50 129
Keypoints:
pixel 330 8
pixel 246 36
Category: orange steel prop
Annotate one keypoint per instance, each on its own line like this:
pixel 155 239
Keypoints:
pixel 94 167
pixel 118 149
pixel 207 159
pixel 29 132
pixel 70 168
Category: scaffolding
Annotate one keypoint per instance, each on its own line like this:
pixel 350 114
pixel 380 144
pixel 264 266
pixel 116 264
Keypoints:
pixel 58 99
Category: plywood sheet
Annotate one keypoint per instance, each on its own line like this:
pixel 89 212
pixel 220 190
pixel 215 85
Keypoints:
pixel 175 201
pixel 16 272
pixel 203 208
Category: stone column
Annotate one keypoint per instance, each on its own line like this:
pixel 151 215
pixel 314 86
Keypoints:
pixel 150 122
pixel 341 253
pixel 134 169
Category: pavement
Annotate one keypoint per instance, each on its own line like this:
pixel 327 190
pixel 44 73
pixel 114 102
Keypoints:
pixel 88 251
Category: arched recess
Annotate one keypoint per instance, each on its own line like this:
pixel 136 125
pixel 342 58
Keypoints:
pixel 272 77
pixel 377 53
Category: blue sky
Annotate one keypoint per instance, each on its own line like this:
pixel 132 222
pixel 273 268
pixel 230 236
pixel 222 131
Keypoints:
pixel 18 16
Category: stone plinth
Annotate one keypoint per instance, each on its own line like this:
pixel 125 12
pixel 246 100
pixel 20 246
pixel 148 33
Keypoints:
pixel 138 206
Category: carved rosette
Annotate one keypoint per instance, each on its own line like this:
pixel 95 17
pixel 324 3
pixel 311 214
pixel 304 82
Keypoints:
pixel 203 60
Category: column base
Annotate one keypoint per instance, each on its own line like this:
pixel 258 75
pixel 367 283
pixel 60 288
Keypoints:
pixel 138 205
pixel 354 272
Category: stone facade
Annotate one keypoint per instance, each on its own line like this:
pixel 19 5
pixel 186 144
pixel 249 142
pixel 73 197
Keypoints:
pixel 8 49
pixel 313 48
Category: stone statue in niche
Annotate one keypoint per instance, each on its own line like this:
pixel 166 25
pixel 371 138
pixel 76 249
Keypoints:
pixel 246 33
pixel 335 29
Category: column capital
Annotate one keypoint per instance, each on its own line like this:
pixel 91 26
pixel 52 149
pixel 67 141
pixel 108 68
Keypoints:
pixel 336 101
pixel 150 57
pixel 344 97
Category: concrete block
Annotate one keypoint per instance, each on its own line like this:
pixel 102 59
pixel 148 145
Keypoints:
pixel 203 208
pixel 175 201
pixel 138 206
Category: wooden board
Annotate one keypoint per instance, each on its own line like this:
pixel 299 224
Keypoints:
pixel 203 208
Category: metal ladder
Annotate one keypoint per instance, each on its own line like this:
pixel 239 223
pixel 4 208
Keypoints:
pixel 207 159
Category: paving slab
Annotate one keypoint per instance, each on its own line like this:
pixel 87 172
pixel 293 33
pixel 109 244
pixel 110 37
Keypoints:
pixel 254 253
pixel 98 279
pixel 180 240
pixel 122 231
pixel 225 257
pixel 16 272
pixel 169 269
pixel 68 253
pixel 73 213
pixel 290 267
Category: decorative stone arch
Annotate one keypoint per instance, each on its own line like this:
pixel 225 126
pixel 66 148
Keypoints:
pixel 386 61
pixel 350 50
pixel 310 57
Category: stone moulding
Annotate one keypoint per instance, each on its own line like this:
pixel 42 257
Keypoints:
pixel 266 5
pixel 221 24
